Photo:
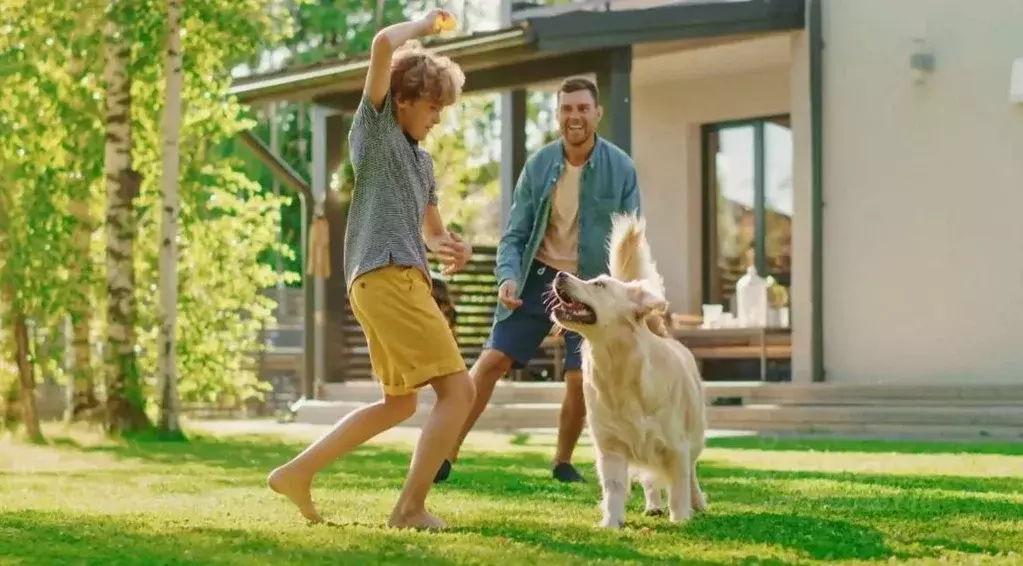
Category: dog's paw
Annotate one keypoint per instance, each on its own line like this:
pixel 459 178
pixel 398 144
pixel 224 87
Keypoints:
pixel 700 504
pixel 612 523
pixel 655 512
pixel 681 515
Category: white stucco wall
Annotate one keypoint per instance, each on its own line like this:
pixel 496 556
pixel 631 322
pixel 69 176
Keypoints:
pixel 923 192
pixel 666 119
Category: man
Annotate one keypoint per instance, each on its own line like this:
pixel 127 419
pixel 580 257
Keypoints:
pixel 560 221
pixel 393 219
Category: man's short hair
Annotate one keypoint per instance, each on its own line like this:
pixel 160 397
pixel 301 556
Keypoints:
pixel 416 73
pixel 575 84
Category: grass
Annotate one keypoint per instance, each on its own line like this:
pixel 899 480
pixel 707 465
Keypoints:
pixel 84 500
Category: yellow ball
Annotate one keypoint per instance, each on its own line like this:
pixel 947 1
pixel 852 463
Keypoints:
pixel 444 23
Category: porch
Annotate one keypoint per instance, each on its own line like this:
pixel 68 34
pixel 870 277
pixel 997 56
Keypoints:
pixel 665 72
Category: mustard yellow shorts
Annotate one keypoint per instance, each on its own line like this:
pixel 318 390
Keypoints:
pixel 410 342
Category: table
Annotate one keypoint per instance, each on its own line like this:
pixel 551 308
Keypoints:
pixel 735 342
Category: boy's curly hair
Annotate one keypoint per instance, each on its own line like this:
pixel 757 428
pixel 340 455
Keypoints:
pixel 416 73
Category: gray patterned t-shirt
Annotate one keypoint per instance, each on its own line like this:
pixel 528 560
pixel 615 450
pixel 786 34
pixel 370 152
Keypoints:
pixel 394 183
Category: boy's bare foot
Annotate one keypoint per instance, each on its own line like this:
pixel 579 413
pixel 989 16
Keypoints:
pixel 285 482
pixel 421 520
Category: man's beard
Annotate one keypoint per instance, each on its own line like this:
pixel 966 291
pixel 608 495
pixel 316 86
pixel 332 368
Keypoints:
pixel 576 139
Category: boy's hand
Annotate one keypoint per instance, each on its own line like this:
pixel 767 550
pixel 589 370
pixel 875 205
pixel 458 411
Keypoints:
pixel 454 253
pixel 437 21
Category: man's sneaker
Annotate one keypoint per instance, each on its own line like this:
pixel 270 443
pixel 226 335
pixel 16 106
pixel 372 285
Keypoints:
pixel 443 472
pixel 567 473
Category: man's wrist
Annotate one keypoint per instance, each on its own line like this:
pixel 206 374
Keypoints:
pixel 504 279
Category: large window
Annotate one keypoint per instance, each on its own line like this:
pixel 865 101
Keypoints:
pixel 747 204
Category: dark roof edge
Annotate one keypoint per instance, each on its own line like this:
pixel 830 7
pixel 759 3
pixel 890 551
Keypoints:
pixel 588 29
pixel 262 86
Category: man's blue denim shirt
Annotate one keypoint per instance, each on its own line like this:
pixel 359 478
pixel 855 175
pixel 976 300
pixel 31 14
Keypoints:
pixel 608 185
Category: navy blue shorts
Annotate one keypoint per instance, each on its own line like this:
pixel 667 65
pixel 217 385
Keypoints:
pixel 519 336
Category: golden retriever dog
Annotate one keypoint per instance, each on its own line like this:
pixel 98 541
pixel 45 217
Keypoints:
pixel 643 391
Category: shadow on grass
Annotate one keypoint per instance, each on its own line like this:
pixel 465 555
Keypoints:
pixel 49 538
pixel 583 542
pixel 814 537
pixel 823 524
pixel 779 444
pixel 998 485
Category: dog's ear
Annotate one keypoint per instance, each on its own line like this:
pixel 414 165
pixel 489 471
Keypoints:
pixel 646 299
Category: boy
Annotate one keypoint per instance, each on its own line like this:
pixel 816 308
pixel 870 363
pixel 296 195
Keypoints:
pixel 393 213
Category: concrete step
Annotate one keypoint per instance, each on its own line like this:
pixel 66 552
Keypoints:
pixel 764 415
pixel 1005 422
pixel 751 393
pixel 513 391
pixel 887 394
pixel 500 417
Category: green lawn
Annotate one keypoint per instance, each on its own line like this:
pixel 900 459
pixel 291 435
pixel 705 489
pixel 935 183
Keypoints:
pixel 82 500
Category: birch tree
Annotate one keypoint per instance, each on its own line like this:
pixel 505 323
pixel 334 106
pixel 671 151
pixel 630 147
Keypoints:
pixel 166 339
pixel 125 401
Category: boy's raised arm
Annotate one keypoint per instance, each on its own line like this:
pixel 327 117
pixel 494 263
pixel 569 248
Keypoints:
pixel 389 39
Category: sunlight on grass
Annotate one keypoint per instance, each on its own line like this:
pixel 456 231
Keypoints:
pixel 86 500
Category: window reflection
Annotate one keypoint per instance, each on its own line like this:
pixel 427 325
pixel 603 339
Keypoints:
pixel 749 208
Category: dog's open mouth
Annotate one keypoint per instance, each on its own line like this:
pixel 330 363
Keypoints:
pixel 569 309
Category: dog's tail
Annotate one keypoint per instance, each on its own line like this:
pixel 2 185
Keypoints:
pixel 630 257
pixel 631 260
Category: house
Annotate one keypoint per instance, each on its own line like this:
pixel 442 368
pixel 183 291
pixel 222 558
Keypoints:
pixel 869 152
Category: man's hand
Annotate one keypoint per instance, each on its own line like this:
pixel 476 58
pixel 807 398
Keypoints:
pixel 454 252
pixel 506 294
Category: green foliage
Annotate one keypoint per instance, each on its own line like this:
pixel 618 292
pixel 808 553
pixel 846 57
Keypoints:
pixel 226 221
pixel 468 179
pixel 53 191
pixel 51 158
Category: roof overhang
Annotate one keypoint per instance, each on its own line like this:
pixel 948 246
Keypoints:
pixel 500 59
pixel 344 74
pixel 683 20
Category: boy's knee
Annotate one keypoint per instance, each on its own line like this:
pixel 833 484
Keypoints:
pixel 457 388
pixel 465 389
pixel 403 405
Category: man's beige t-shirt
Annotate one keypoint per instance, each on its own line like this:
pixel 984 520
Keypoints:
pixel 560 246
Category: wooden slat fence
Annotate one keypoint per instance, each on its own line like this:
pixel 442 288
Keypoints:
pixel 473 292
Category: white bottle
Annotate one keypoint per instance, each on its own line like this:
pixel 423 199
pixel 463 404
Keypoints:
pixel 751 299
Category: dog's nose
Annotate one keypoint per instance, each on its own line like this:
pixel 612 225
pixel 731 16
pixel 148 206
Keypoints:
pixel 560 276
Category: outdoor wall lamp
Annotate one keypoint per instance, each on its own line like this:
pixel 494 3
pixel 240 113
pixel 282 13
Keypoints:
pixel 1016 82
pixel 921 60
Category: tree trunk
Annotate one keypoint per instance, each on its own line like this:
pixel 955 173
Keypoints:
pixel 26 381
pixel 166 339
pixel 125 399
pixel 81 387
pixel 11 412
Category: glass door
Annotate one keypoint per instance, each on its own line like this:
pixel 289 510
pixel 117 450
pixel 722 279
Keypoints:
pixel 747 204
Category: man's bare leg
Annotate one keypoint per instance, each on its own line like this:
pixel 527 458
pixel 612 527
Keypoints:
pixel 294 479
pixel 454 398
pixel 491 366
pixel 570 426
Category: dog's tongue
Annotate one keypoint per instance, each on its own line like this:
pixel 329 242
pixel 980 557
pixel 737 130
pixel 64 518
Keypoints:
pixel 576 307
